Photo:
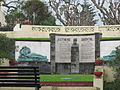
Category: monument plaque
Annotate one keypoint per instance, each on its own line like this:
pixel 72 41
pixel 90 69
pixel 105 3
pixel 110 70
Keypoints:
pixel 63 49
pixel 86 48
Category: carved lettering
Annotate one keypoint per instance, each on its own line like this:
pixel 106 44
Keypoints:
pixel 46 29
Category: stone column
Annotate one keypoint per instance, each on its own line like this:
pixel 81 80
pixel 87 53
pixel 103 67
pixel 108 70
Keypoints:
pixel 75 57
pixel 99 82
pixel 97 44
pixel 52 53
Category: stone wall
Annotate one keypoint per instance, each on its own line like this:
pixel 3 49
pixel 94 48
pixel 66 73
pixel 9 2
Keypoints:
pixel 65 68
pixel 86 68
pixel 44 67
pixel 60 68
pixel 37 31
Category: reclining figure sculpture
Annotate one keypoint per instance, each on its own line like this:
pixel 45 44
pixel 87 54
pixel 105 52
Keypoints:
pixel 26 55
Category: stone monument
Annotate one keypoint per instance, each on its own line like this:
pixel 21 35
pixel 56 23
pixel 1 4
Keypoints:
pixel 74 53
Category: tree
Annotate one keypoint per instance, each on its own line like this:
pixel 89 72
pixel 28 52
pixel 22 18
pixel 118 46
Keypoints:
pixel 37 12
pixel 7 48
pixel 117 74
pixel 33 10
pixel 68 12
pixel 115 85
pixel 87 15
pixel 109 15
pixel 14 17
pixel 12 12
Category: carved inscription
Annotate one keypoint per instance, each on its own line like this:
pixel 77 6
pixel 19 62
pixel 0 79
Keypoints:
pixel 86 48
pixel 46 29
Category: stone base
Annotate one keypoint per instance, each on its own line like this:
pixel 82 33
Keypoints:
pixel 50 88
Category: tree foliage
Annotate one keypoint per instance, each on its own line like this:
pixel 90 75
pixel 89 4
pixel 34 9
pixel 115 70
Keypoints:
pixel 68 12
pixel 7 48
pixel 109 11
pixel 33 10
pixel 117 68
pixel 37 12
pixel 115 85
pixel 87 16
pixel 14 17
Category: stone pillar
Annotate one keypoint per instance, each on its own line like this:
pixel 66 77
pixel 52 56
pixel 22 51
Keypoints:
pixel 97 44
pixel 52 51
pixel 98 82
pixel 75 57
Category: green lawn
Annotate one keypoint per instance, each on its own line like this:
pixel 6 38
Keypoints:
pixel 105 38
pixel 76 77
pixel 66 77
pixel 32 38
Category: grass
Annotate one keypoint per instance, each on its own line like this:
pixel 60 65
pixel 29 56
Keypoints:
pixel 32 38
pixel 66 77
pixel 105 38
pixel 76 77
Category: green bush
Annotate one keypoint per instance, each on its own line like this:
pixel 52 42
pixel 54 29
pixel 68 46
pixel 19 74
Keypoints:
pixel 7 47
